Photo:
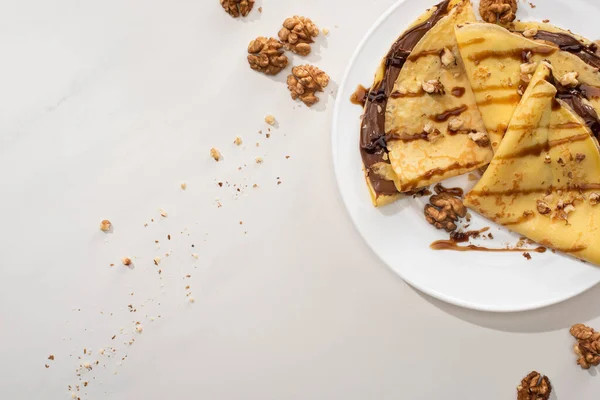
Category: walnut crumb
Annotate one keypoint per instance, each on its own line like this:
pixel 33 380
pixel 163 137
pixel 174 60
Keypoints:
pixel 527 255
pixel 569 79
pixel 498 11
pixel 105 225
pixel 325 31
pixel 126 261
pixel 534 387
pixel 305 81
pixel 528 68
pixel 266 55
pixel 455 124
pixel 51 357
pixel 433 86
pixel 195 255
pixel 216 154
pixel 543 208
pixel 259 160
pixel 579 157
pixel 531 32
pixel 447 58
pixel 238 141
pixel 297 34
pixel 235 8
pixel 183 185
pixel 156 260
pixel 139 328
pixel 269 119
pixel 480 138
pixel 163 213
pixel 547 159
pixel 473 177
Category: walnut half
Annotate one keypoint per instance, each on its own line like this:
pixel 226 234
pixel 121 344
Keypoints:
pixel 305 81
pixel 587 347
pixel 235 8
pixel 266 55
pixel 444 211
pixel 297 34
pixel 498 11
pixel 534 386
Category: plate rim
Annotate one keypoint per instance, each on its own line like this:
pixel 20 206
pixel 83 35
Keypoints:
pixel 428 291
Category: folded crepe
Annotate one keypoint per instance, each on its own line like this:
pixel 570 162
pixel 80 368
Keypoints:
pixel 432 122
pixel 499 65
pixel 544 180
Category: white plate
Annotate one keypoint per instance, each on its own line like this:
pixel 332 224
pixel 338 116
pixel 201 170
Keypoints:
pixel 399 234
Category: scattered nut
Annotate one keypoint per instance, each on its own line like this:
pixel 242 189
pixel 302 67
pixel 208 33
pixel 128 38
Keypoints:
pixel 439 218
pixel 529 33
pixel 447 57
pixel 568 209
pixel 569 79
pixel 547 159
pixel 126 261
pixel 105 225
pixel 163 213
pixel 433 86
pixel 305 81
pixel 480 138
pixel 235 8
pixel 183 185
pixel 195 255
pixel 139 328
pixel 269 119
pixel 156 260
pixel 498 11
pixel 455 124
pixel 534 387
pixel 325 31
pixel 434 136
pixel 594 199
pixel 543 208
pixel 259 160
pixel 238 141
pixel 297 34
pixel 587 347
pixel 216 154
pixel 266 55
pixel 428 127
pixel 528 67
pixel 579 157
pixel 51 357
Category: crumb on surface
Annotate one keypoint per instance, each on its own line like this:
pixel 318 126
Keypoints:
pixel 105 225
pixel 259 9
pixel 269 119
pixel 126 261
pixel 325 31
pixel 183 185
pixel 51 357
pixel 156 260
pixel 163 213
pixel 527 255
pixel 259 160
pixel 238 141
pixel 216 154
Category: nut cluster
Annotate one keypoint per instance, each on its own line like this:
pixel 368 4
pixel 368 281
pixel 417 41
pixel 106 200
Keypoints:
pixel 534 386
pixel 587 347
pixel 266 55
pixel 235 8
pixel 444 210
pixel 297 33
pixel 305 81
pixel 498 11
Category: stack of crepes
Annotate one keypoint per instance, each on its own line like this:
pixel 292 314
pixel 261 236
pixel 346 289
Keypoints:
pixel 454 95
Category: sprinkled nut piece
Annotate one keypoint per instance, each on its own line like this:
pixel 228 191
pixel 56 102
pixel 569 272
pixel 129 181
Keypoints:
pixel 156 260
pixel 579 157
pixel 455 124
pixel 238 141
pixel 266 55
pixel 434 136
pixel 163 213
pixel 325 31
pixel 480 138
pixel 297 33
pixel 139 328
pixel 235 8
pixel 569 79
pixel 259 160
pixel 534 386
pixel 105 225
pixel 547 159
pixel 543 208
pixel 269 119
pixel 126 261
pixel 529 33
pixel 447 57
pixel 216 154
pixel 305 81
pixel 528 68
pixel 183 185
pixel 433 87
pixel 594 199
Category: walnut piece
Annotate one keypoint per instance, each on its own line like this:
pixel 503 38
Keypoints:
pixel 439 218
pixel 480 138
pixel 447 58
pixel 579 157
pixel 547 159
pixel 434 136
pixel 569 79
pixel 433 86
pixel 450 204
pixel 543 208
pixel 531 32
pixel 305 81
pixel 594 199
pixel 587 347
pixel 269 119
pixel 105 225
pixel 266 55
pixel 534 386
pixel 235 8
pixel 498 11
pixel 126 261
pixel 297 34
pixel 238 141
pixel 455 124
pixel 216 154
pixel 528 68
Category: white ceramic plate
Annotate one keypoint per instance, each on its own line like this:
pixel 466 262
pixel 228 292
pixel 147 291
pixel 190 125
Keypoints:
pixel 399 234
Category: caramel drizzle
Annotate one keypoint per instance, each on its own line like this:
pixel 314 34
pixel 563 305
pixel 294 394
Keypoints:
pixel 445 116
pixel 513 99
pixel 513 53
pixel 398 95
pixel 524 192
pixel 562 126
pixel 539 148
pixel 451 245
pixel 437 172
pixel 424 53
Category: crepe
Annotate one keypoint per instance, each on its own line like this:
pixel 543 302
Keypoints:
pixel 499 65
pixel 435 135
pixel 544 180
pixel 381 178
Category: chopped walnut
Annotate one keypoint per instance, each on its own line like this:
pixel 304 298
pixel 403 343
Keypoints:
pixel 259 160
pixel 528 68
pixel 266 55
pixel 238 141
pixel 183 185
pixel 325 31
pixel 531 32
pixel 480 138
pixel 498 11
pixel 449 203
pixel 594 198
pixel 569 79
pixel 105 225
pixel 543 208
pixel 587 347
pixel 447 57
pixel 547 159
pixel 269 119
pixel 433 86
pixel 455 124
pixel 579 157
pixel 297 34
pixel 439 218
pixel 434 136
pixel 126 261
pixel 305 81
pixel 235 8
pixel 534 387
pixel 216 154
